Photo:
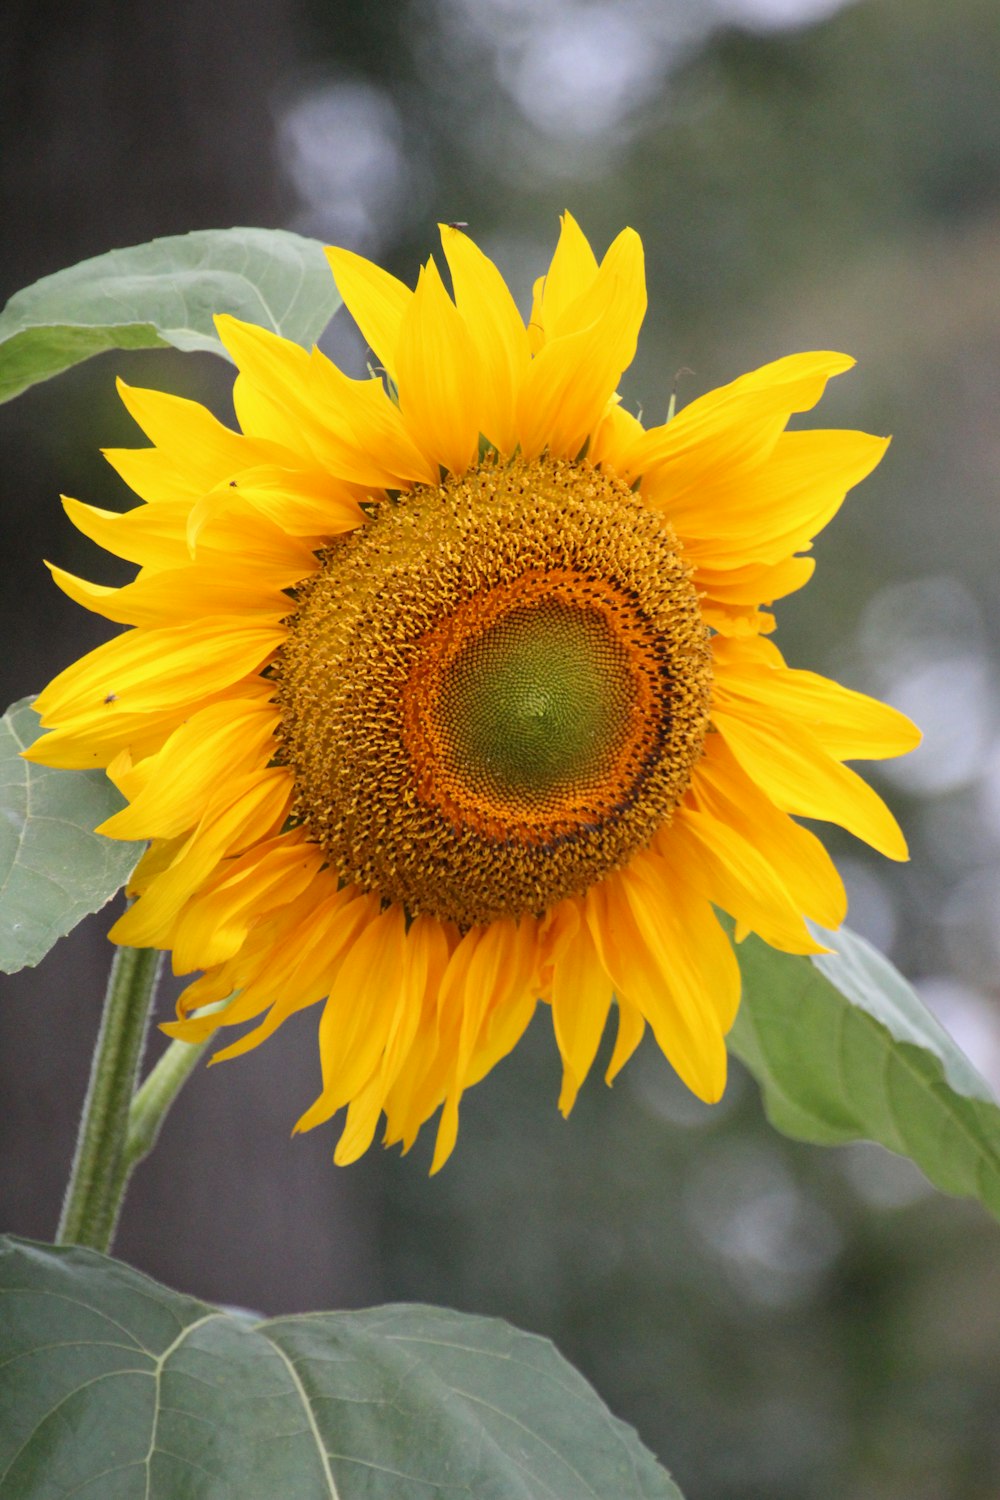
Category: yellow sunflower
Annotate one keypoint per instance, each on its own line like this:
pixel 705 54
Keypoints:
pixel 448 691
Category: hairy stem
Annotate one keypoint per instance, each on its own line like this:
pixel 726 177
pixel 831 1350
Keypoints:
pixel 93 1196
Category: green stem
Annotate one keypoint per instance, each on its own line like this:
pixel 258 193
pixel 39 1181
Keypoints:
pixel 93 1197
pixel 152 1101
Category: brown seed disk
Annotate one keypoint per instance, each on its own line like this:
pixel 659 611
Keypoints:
pixel 495 692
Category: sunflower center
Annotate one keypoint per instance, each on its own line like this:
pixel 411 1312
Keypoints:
pixel 530 704
pixel 496 691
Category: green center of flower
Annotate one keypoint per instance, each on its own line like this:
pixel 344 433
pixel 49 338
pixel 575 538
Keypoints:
pixel 495 691
pixel 536 702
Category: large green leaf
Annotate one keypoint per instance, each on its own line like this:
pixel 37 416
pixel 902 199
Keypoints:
pixel 844 1050
pixel 54 869
pixel 166 292
pixel 113 1386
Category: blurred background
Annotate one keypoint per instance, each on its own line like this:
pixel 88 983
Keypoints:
pixel 780 1322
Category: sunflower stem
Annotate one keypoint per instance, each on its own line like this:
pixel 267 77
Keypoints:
pixel 93 1196
pixel 154 1098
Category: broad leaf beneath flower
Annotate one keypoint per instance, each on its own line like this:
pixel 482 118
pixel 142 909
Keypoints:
pixel 112 1384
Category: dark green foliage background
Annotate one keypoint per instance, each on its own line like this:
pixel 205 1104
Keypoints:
pixel 781 1322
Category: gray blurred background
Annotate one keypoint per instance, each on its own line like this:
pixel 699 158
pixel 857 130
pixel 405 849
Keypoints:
pixel 780 1322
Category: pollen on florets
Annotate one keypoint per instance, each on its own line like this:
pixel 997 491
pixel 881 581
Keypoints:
pixel 495 692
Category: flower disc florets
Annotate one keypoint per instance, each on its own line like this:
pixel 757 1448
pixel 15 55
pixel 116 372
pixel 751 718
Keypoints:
pixel 494 692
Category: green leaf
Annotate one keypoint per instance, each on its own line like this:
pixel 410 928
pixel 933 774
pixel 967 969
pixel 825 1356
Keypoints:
pixel 54 869
pixel 113 1386
pixel 166 292
pixel 844 1050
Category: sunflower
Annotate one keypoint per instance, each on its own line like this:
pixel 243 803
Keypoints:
pixel 449 691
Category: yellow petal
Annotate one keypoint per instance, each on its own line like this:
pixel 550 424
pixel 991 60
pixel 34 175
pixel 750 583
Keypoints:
pixel 755 584
pixel 631 1029
pixel 216 921
pixel 252 807
pixel 566 392
pixel 732 519
pixel 294 960
pixel 354 1026
pixel 284 376
pixel 151 535
pixel 427 954
pixel 169 791
pixel 501 342
pixel 439 378
pixel 581 999
pixel 373 420
pixel 849 725
pixel 158 670
pixel 731 872
pixel 723 789
pixel 417 1090
pixel 176 595
pixel 615 434
pixel 424 959
pixel 668 957
pixel 730 429
pixel 197 449
pixel 312 505
pixel 362 1119
pixel 792 767
pixel 375 300
pixel 490 971
pixel 572 270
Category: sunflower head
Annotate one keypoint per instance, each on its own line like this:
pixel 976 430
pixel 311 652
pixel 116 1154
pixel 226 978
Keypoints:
pixel 449 691
pixel 494 692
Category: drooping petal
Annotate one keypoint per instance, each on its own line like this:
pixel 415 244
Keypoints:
pixel 354 1026
pixel 215 923
pixel 425 957
pixel 288 961
pixel 581 998
pixel 723 788
pixel 253 806
pixel 668 957
pixel 729 870
pixel 631 1029
pixel 800 777
pixel 489 974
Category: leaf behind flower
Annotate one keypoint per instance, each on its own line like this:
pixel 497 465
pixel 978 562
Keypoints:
pixel 165 293
pixel 54 870
pixel 844 1049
